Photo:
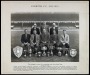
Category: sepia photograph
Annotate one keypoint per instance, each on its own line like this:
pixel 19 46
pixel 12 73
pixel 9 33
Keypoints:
pixel 45 37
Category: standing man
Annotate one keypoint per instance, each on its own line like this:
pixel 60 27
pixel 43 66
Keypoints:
pixel 35 27
pixel 34 40
pixel 64 40
pixel 44 27
pixel 25 40
pixel 54 28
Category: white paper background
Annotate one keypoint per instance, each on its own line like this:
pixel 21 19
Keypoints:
pixel 82 7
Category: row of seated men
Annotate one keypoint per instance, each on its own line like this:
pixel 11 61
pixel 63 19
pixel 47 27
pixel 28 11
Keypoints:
pixel 41 37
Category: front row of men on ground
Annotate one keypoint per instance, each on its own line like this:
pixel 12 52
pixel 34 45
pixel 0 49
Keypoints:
pixel 41 37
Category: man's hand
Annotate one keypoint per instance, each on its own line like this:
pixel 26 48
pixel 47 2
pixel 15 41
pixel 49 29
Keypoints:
pixel 28 44
pixel 54 42
pixel 25 43
pixel 34 43
pixel 44 41
pixel 63 43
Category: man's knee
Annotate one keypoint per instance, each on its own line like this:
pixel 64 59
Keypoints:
pixel 67 45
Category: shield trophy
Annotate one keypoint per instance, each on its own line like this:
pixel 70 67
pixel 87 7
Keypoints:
pixel 73 52
pixel 18 51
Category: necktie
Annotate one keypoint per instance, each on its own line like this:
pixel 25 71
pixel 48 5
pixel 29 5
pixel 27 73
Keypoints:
pixel 26 36
pixel 34 39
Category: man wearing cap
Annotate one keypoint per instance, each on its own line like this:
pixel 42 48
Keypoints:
pixel 35 27
pixel 54 28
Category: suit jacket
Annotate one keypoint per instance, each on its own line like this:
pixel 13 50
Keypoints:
pixel 64 39
pixel 54 38
pixel 37 29
pixel 25 39
pixel 45 37
pixel 51 30
pixel 37 39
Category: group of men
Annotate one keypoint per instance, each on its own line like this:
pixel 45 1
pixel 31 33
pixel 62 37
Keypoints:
pixel 44 36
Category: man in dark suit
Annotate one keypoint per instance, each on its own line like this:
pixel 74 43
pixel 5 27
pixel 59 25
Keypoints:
pixel 54 28
pixel 35 27
pixel 25 40
pixel 54 38
pixel 54 41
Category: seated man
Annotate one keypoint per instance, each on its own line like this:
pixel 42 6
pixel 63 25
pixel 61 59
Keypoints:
pixel 44 38
pixel 35 27
pixel 25 40
pixel 34 40
pixel 54 40
pixel 64 40
pixel 54 28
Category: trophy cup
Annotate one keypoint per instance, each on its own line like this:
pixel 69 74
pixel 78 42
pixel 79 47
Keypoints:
pixel 25 53
pixel 66 50
pixel 30 52
pixel 36 50
pixel 39 54
pixel 51 50
pixel 59 51
pixel 48 53
pixel 44 48
pixel 73 52
pixel 25 49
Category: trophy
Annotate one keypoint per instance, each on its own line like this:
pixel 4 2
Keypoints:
pixel 18 51
pixel 48 53
pixel 59 51
pixel 73 52
pixel 25 49
pixel 44 48
pixel 39 54
pixel 36 50
pixel 30 52
pixel 66 50
pixel 51 50
pixel 25 53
